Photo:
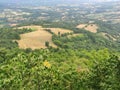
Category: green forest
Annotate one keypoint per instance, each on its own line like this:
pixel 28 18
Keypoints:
pixel 84 62
pixel 80 60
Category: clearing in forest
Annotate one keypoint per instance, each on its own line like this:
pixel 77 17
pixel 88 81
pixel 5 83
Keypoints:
pixel 38 38
pixel 89 27
pixel 35 39
pixel 61 30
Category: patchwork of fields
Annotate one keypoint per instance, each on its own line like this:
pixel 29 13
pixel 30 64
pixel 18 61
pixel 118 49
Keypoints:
pixel 37 38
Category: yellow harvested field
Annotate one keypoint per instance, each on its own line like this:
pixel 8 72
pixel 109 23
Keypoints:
pixel 92 28
pixel 81 26
pixel 37 38
pixel 62 31
pixel 89 27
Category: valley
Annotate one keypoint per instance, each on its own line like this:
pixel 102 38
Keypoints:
pixel 60 45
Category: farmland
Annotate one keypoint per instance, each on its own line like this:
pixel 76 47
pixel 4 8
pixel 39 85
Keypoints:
pixel 89 27
pixel 61 30
pixel 58 46
pixel 37 38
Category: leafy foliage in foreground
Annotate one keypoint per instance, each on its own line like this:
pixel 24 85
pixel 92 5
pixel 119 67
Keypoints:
pixel 61 70
pixel 78 64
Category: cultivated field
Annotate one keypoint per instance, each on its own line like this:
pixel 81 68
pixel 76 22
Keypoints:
pixel 37 38
pixel 62 31
pixel 81 26
pixel 89 27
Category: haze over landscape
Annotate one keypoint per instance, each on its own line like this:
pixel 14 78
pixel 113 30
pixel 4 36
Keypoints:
pixel 59 44
pixel 53 1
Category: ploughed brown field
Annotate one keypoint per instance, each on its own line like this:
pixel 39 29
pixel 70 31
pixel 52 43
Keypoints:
pixel 37 38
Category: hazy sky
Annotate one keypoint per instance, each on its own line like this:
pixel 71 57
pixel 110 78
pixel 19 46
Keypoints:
pixel 38 1
pixel 51 0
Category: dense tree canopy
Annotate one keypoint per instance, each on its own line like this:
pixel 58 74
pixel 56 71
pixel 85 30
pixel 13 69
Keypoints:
pixel 77 63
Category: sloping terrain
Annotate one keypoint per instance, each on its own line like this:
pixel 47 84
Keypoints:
pixel 35 39
pixel 61 30
pixel 38 38
pixel 89 27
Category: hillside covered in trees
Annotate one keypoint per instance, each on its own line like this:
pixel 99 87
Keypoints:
pixel 69 56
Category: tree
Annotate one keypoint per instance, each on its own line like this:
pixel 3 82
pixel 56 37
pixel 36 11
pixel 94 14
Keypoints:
pixel 59 33
pixel 47 44
pixel 105 75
